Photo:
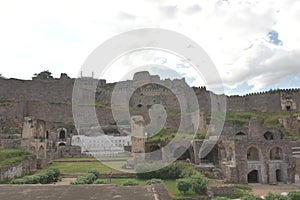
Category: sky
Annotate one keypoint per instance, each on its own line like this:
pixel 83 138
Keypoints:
pixel 255 45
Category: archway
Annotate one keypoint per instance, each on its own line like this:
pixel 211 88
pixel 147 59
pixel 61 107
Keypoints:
pixel 268 135
pixel 253 154
pixel 182 153
pixel 240 133
pixel 212 156
pixel 276 153
pixel 230 155
pixel 253 176
pixel 62 134
pixel 278 175
pixel 61 144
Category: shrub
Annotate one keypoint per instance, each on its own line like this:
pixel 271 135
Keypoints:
pixel 250 197
pixel 153 181
pixel 129 183
pixel 88 178
pixel 183 185
pixel 53 171
pixel 33 179
pixel 44 179
pixel 199 183
pixel 101 181
pixel 18 181
pixel 294 195
pixel 220 198
pixel 272 196
pixel 95 172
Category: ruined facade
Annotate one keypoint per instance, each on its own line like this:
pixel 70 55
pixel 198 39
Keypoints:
pixel 37 115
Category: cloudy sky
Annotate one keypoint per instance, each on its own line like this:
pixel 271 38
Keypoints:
pixel 255 45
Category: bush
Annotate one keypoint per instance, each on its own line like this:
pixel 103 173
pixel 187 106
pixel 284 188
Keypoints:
pixel 33 179
pixel 129 183
pixel 220 198
pixel 183 185
pixel 53 171
pixel 18 181
pixel 272 196
pixel 101 181
pixel 251 197
pixel 88 178
pixel 199 183
pixel 153 181
pixel 156 170
pixel 44 179
pixel 294 195
pixel 95 172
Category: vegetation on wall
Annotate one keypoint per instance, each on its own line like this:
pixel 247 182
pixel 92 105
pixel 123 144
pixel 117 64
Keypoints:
pixel 10 156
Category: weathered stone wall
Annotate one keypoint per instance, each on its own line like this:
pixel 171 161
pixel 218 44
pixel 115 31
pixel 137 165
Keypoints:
pixel 221 190
pixel 19 169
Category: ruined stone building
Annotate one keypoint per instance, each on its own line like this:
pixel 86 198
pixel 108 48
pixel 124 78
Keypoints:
pixel 37 115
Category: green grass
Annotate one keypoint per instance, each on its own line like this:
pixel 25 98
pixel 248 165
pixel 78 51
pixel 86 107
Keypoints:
pixel 9 156
pixel 83 167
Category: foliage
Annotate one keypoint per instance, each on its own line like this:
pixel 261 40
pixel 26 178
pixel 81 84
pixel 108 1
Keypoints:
pixel 101 181
pixel 199 183
pixel 220 198
pixel 88 178
pixel 294 195
pixel 43 75
pixel 272 196
pixel 155 170
pixel 153 181
pixel 183 185
pixel 250 197
pixel 9 156
pixel 45 177
pixel 243 187
pixel 95 172
pixel 129 183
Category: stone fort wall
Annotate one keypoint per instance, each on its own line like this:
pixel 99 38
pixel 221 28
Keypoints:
pixel 51 100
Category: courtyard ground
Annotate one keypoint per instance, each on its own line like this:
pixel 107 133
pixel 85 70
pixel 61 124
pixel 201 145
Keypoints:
pixel 80 192
pixel 262 190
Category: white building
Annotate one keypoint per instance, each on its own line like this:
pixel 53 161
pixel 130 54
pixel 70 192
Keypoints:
pixel 103 145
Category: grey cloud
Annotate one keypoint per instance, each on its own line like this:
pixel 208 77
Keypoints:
pixel 168 11
pixel 191 10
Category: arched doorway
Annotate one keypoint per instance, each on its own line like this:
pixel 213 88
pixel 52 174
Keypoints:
pixel 269 136
pixel 253 176
pixel 62 134
pixel 253 154
pixel 276 153
pixel 212 157
pixel 278 175
pixel 61 144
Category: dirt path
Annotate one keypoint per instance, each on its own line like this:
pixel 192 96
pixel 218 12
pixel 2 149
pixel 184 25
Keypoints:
pixel 262 190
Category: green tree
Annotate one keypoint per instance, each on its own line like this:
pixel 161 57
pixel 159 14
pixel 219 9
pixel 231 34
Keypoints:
pixel 43 75
pixel 183 185
pixel 294 195
pixel 272 196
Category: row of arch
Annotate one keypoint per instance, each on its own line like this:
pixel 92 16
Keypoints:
pixel 253 154
pixel 267 135
pixel 253 176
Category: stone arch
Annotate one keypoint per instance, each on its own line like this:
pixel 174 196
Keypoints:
pixel 253 154
pixel 182 153
pixel 269 136
pixel 252 176
pixel 240 133
pixel 60 144
pixel 41 152
pixel 276 153
pixel 33 150
pixel 62 133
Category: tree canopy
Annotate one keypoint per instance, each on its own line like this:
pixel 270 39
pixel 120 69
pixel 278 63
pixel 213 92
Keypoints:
pixel 43 75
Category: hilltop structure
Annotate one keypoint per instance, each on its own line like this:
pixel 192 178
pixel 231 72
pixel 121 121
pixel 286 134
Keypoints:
pixel 37 115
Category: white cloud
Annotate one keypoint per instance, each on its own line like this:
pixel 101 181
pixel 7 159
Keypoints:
pixel 59 35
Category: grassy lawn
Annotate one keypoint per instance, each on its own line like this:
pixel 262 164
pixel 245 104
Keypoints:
pixel 95 159
pixel 9 156
pixel 83 167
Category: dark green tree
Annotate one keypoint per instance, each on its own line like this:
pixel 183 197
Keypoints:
pixel 43 75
